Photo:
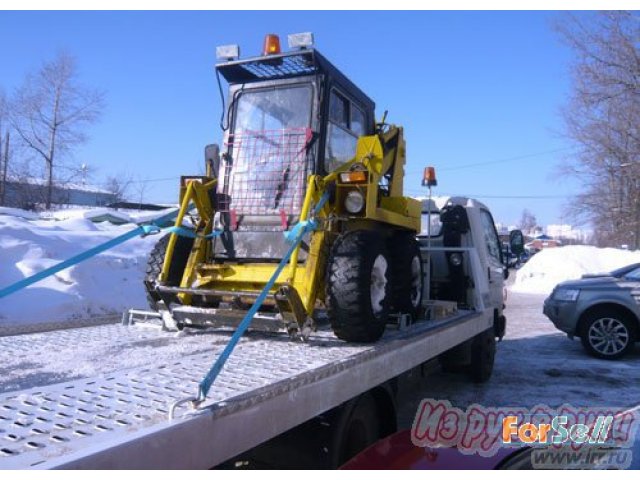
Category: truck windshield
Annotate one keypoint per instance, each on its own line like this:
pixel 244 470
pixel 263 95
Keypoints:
pixel 436 224
pixel 266 110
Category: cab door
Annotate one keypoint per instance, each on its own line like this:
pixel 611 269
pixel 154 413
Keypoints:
pixel 493 257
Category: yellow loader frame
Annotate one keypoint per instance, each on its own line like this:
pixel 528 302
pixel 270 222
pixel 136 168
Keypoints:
pixel 301 285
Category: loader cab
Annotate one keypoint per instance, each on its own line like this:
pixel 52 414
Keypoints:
pixel 287 116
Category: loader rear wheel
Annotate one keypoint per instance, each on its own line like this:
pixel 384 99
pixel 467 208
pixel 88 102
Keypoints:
pixel 358 287
pixel 406 274
pixel 156 260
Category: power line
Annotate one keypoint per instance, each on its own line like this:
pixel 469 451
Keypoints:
pixel 528 197
pixel 469 195
pixel 149 180
pixel 504 160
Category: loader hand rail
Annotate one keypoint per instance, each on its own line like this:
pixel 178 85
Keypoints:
pixel 216 368
pixel 141 230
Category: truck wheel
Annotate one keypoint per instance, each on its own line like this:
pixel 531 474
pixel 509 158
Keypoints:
pixel 361 428
pixel 155 261
pixel 483 353
pixel 607 335
pixel 358 289
pixel 407 275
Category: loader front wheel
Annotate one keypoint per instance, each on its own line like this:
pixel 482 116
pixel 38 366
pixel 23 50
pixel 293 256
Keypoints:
pixel 156 260
pixel 358 287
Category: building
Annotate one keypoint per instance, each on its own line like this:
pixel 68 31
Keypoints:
pixel 542 241
pixel 28 194
pixel 567 232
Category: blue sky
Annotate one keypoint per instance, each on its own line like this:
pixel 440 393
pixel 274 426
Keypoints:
pixel 469 88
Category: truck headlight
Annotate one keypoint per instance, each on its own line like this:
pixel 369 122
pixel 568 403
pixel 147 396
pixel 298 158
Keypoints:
pixel 566 294
pixel 354 201
pixel 455 259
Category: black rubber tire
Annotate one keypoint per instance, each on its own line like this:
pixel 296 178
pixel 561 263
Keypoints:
pixel 483 353
pixel 361 429
pixel 156 260
pixel 624 320
pixel 348 282
pixel 404 249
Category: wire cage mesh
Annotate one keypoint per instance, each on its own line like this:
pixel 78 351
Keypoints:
pixel 265 173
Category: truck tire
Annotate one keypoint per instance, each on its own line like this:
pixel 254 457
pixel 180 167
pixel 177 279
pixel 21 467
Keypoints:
pixel 156 260
pixel 360 428
pixel 407 274
pixel 358 290
pixel 483 353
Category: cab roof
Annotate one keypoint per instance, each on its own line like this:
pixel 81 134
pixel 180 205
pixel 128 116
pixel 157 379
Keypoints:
pixel 439 202
pixel 288 65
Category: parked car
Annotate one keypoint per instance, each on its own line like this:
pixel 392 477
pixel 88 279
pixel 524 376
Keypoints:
pixel 398 452
pixel 510 258
pixel 602 310
pixel 524 257
pixel 618 273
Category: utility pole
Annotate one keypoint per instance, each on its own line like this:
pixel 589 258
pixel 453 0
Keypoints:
pixel 4 162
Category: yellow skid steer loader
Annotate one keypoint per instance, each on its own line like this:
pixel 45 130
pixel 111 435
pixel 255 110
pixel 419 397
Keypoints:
pixel 296 130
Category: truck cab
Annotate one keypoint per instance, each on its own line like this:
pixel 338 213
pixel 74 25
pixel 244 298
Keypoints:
pixel 460 235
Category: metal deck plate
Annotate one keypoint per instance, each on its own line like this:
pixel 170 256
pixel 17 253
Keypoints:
pixel 135 374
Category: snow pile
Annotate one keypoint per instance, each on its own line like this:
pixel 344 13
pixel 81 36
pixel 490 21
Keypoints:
pixel 89 214
pixel 17 212
pixel 104 285
pixel 96 214
pixel 554 265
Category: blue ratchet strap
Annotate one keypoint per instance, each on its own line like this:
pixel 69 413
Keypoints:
pixel 306 225
pixel 142 230
pixel 187 232
pixel 210 377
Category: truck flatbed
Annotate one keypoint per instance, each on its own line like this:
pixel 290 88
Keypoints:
pixel 99 397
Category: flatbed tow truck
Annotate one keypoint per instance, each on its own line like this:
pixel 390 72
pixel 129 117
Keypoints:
pixel 117 396
pixel 104 393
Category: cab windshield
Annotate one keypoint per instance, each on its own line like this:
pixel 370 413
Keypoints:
pixel 267 110
pixel 268 149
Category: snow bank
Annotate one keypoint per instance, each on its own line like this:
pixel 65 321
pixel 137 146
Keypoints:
pixel 554 265
pixel 129 216
pixel 104 285
pixel 17 212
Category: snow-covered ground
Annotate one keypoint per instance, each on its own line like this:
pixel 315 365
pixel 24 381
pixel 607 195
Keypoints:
pixel 535 364
pixel 103 286
pixel 554 265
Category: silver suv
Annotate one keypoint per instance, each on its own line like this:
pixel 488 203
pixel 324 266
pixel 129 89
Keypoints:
pixel 602 310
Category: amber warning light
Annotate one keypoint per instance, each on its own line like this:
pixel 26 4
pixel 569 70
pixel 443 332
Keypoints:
pixel 271 44
pixel 429 177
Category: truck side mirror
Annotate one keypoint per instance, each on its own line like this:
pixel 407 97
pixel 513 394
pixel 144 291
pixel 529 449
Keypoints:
pixel 516 242
pixel 212 159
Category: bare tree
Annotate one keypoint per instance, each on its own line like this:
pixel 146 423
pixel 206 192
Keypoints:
pixel 51 112
pixel 528 222
pixel 119 186
pixel 602 117
pixel 141 185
